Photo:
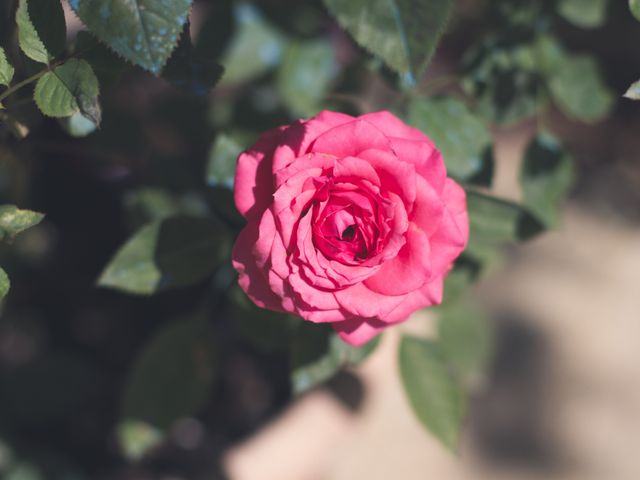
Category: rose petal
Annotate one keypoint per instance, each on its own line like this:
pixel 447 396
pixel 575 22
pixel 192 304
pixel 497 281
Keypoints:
pixel 430 294
pixel 363 302
pixel 395 176
pixel 392 126
pixel 350 139
pixel 357 331
pixel 425 157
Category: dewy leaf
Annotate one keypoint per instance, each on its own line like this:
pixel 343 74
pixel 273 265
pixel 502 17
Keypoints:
pixel 494 223
pixel 221 166
pixel 6 69
pixel 69 88
pixel 28 38
pixel 584 13
pixel 5 284
pixel 173 374
pixel 634 6
pixel 404 33
pixel 546 175
pixel 47 18
pixel 170 253
pixel 633 92
pixel 14 221
pixel 305 76
pixel 436 398
pixel 578 89
pixel 145 32
pixel 460 136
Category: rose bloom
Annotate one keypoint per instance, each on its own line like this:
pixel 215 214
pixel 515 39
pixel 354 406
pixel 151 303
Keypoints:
pixel 350 220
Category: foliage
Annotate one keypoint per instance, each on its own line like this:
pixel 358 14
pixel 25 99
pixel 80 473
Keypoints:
pixel 125 135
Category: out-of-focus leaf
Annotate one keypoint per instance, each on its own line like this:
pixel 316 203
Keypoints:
pixel 15 125
pixel 144 32
pixel 105 63
pixel 23 471
pixel 148 204
pixel 189 71
pixel 465 339
pixel 404 33
pixel 6 69
pixel 436 398
pixel 173 375
pixel 77 125
pixel 69 88
pixel 456 283
pixel 547 173
pixel 47 18
pixel 317 354
pixel 584 13
pixel 460 136
pixel 5 284
pixel 305 76
pixel 579 90
pixel 14 221
pixel 634 6
pixel 633 92
pixel 136 438
pixel 221 166
pixel 255 48
pixel 494 223
pixel 169 253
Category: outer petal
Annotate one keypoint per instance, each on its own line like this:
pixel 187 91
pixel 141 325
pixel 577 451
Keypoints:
pixel 392 126
pixel 357 331
pixel 253 182
pixel 429 294
pixel 364 303
pixel 350 139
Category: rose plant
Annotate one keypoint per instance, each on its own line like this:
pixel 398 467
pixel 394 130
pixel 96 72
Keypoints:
pixel 350 220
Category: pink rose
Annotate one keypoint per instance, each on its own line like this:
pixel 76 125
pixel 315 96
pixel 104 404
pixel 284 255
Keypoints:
pixel 351 221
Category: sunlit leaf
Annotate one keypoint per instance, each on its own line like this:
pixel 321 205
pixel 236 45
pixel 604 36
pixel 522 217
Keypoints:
pixel 404 33
pixel 584 13
pixel 69 88
pixel 14 221
pixel 435 396
pixel 29 40
pixel 6 69
pixel 144 32
pixel 47 18
pixel 169 253
pixel 546 175
pixel 458 134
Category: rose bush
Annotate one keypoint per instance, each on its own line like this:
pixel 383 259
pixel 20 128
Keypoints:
pixel 350 220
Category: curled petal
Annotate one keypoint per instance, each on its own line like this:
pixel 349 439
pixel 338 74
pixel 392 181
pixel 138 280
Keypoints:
pixel 357 331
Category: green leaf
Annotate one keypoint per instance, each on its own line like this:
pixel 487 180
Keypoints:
pixel 189 71
pixel 144 32
pixel 436 398
pixel 458 134
pixel 317 354
pixel 633 92
pixel 106 65
pixel 546 175
pixel 255 48
pixel 28 39
pixel 173 375
pixel 69 88
pixel 169 253
pixel 404 33
pixel 6 69
pixel 584 13
pixel 578 89
pixel 221 167
pixel 5 284
pixel 634 6
pixel 466 341
pixel 136 438
pixel 305 76
pixel 494 223
pixel 14 221
pixel 47 18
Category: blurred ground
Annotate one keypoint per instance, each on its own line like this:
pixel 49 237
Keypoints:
pixel 563 402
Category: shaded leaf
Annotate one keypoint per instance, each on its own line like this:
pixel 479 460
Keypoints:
pixel 317 354
pixel 458 134
pixel 47 18
pixel 578 89
pixel 584 13
pixel 436 398
pixel 5 284
pixel 136 438
pixel 221 166
pixel 169 253
pixel 305 76
pixel 106 65
pixel 69 88
pixel 14 221
pixel 634 6
pixel 144 32
pixel 546 175
pixel 256 46
pixel 404 33
pixel 633 92
pixel 6 69
pixel 172 376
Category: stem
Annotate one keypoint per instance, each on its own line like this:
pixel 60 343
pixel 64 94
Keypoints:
pixel 24 82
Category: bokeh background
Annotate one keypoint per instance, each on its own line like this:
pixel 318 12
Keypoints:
pixel 560 395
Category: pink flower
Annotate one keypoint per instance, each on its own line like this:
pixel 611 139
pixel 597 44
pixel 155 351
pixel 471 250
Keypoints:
pixel 351 221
